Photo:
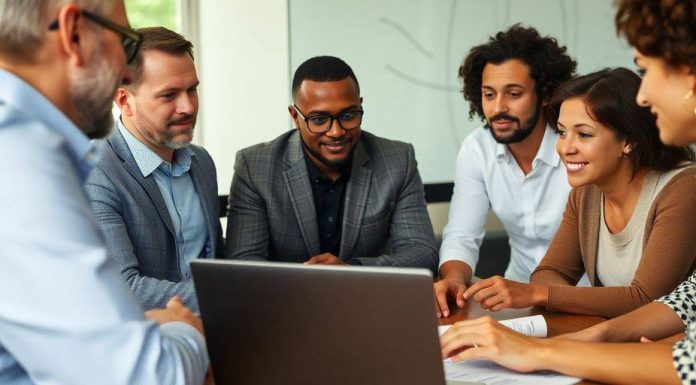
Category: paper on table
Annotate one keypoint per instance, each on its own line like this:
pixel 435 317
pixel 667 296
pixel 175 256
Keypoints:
pixel 490 373
pixel 534 326
pixel 487 372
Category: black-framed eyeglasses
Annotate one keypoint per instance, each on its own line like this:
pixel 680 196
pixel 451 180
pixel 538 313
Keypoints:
pixel 130 40
pixel 321 123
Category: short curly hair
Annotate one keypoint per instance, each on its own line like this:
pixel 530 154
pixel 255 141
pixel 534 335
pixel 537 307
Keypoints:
pixel 660 28
pixel 548 63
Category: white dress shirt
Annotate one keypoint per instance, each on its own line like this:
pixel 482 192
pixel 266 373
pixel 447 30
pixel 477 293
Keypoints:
pixel 529 206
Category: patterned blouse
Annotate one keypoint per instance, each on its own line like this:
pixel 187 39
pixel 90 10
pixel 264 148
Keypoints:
pixel 683 302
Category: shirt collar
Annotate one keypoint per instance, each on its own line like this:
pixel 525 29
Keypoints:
pixel 546 153
pixel 315 174
pixel 21 96
pixel 148 161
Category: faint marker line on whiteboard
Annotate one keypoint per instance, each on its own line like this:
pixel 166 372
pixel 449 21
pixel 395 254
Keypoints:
pixel 398 28
pixel 448 68
pixel 419 82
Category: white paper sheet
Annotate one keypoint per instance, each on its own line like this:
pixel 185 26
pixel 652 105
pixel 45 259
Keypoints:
pixel 534 326
pixel 490 373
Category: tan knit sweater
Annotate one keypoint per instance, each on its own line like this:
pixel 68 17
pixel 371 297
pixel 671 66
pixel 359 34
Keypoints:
pixel 669 252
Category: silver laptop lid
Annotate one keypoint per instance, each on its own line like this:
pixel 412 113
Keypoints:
pixel 276 323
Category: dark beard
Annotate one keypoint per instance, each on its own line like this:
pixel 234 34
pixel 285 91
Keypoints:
pixel 522 132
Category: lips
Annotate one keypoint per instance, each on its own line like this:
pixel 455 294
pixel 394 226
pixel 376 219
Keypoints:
pixel 575 167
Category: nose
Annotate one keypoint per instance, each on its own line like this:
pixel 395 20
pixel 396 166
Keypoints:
pixel 566 145
pixel 640 96
pixel 335 130
pixel 500 105
pixel 185 104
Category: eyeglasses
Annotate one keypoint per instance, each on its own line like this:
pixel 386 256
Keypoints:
pixel 130 40
pixel 321 123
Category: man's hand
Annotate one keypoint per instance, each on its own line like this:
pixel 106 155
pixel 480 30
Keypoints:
pixel 175 311
pixel 448 288
pixel 497 293
pixel 325 259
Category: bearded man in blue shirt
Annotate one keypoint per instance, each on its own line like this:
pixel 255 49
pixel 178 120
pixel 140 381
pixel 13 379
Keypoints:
pixel 66 316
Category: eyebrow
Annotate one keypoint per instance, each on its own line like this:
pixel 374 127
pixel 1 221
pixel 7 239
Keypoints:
pixel 320 112
pixel 511 85
pixel 579 125
pixel 173 89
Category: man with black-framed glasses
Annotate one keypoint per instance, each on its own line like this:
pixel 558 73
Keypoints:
pixel 328 192
pixel 66 316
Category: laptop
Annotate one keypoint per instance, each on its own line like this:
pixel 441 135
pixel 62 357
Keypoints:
pixel 277 323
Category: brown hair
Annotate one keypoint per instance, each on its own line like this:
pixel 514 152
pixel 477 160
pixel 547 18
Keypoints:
pixel 609 96
pixel 660 28
pixel 158 39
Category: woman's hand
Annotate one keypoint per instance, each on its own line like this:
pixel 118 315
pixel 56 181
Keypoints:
pixel 497 293
pixel 486 338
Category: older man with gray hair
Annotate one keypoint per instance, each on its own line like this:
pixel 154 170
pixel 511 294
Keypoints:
pixel 66 316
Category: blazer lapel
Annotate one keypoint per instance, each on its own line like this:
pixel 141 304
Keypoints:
pixel 210 217
pixel 355 201
pixel 301 196
pixel 120 147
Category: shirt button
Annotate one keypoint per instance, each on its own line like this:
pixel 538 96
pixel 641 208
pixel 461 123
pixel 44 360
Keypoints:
pixel 328 235
pixel 330 219
pixel 331 190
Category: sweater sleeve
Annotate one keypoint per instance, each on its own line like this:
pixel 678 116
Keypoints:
pixel 667 258
pixel 562 264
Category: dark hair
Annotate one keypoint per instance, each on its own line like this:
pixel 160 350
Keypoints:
pixel 322 69
pixel 158 39
pixel 609 96
pixel 548 63
pixel 660 28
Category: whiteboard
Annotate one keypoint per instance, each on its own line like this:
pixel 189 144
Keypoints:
pixel 406 55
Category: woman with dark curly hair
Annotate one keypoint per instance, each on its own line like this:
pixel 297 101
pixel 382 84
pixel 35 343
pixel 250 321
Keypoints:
pixel 664 35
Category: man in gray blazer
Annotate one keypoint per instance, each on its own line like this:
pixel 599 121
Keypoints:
pixel 328 193
pixel 154 195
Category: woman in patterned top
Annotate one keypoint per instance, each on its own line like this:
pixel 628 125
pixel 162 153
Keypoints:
pixel 663 33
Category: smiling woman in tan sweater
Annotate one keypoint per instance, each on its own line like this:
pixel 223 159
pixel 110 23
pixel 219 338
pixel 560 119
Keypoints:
pixel 630 221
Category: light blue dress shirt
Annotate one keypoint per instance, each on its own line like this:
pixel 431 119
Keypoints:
pixel 179 195
pixel 66 315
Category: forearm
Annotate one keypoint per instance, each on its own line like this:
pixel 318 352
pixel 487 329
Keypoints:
pixel 654 320
pixel 411 256
pixel 153 293
pixel 644 363
pixel 605 302
pixel 456 270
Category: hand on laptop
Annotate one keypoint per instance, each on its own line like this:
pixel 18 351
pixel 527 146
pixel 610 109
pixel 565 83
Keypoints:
pixel 486 338
pixel 448 288
pixel 325 259
pixel 175 311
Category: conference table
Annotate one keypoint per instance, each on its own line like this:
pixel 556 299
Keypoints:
pixel 557 323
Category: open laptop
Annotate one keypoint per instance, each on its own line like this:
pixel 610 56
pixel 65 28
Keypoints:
pixel 277 323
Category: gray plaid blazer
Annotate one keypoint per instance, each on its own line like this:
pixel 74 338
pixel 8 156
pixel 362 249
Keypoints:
pixel 136 225
pixel 385 221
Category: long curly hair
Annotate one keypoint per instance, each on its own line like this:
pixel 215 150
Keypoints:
pixel 660 28
pixel 548 63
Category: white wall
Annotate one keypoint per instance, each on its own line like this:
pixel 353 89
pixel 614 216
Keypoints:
pixel 243 67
